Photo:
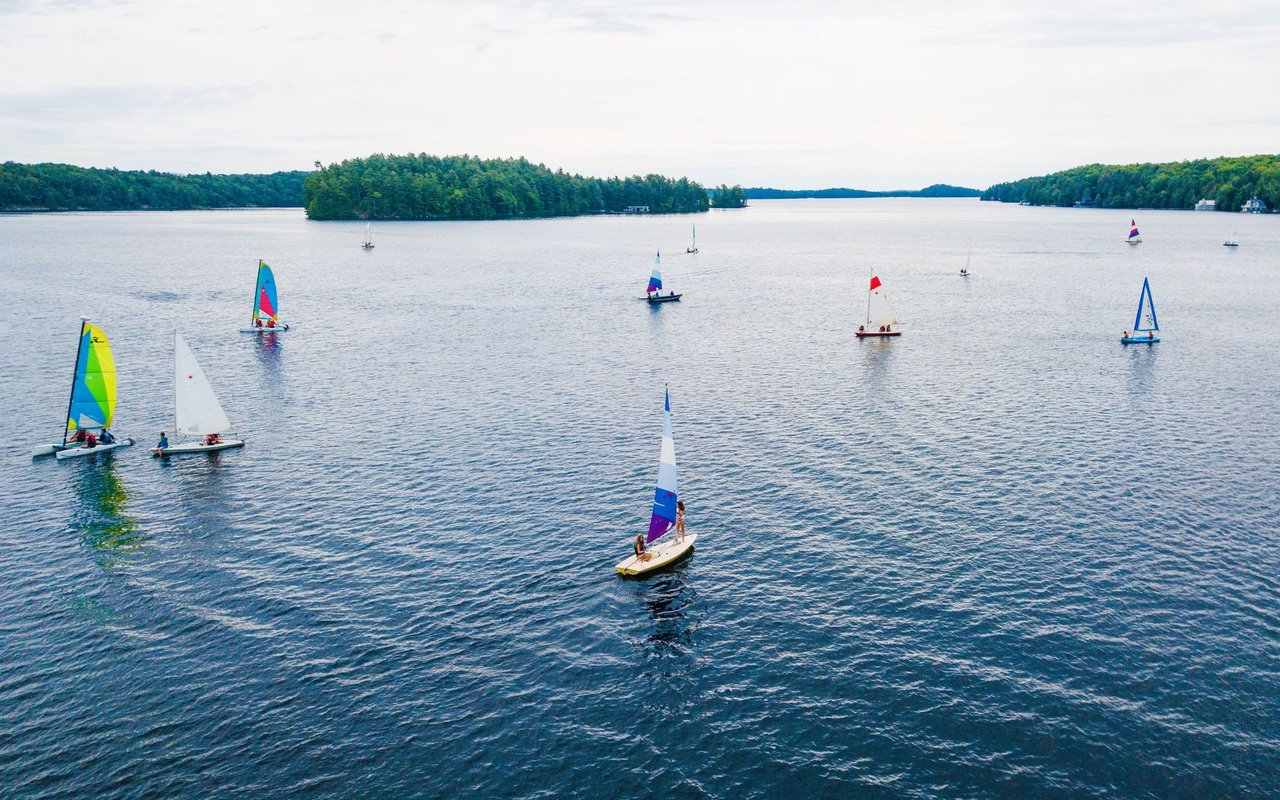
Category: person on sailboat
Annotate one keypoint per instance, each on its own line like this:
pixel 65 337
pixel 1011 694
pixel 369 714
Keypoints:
pixel 79 437
pixel 680 520
pixel 163 444
pixel 257 323
pixel 107 437
pixel 271 323
pixel 90 441
pixel 640 551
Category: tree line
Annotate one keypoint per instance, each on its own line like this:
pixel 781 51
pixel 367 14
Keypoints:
pixel 729 197
pixel 421 186
pixel 936 190
pixel 1230 182
pixel 62 187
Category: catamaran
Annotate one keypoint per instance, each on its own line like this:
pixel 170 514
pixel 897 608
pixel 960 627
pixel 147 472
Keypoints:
pixel 196 410
pixel 661 550
pixel 693 248
pixel 880 318
pixel 1144 323
pixel 1134 236
pixel 367 244
pixel 266 304
pixel 92 405
pixel 654 292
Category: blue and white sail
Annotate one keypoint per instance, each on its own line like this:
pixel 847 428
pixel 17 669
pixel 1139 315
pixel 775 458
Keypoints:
pixel 664 496
pixel 1146 322
pixel 655 279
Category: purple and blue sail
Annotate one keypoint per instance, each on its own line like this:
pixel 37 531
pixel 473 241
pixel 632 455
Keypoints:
pixel 665 495
pixel 655 280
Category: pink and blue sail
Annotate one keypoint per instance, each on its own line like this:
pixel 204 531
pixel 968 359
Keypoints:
pixel 665 495
pixel 655 279
pixel 266 302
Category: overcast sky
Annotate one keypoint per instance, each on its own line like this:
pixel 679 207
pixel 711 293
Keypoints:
pixel 791 94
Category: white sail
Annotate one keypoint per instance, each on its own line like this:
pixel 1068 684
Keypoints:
pixel 196 409
pixel 879 312
pixel 368 235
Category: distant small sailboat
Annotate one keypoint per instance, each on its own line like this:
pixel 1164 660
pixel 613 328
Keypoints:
pixel 1144 323
pixel 1231 241
pixel 693 248
pixel 654 291
pixel 665 512
pixel 367 244
pixel 266 304
pixel 1134 236
pixel 964 271
pixel 880 318
pixel 196 410
pixel 92 405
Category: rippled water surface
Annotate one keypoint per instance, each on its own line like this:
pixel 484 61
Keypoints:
pixel 1001 556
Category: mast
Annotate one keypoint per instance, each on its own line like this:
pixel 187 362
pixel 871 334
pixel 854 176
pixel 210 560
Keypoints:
pixel 869 277
pixel 71 396
pixel 253 307
pixel 175 382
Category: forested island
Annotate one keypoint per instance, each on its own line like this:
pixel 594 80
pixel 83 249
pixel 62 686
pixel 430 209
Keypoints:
pixel 936 190
pixel 422 186
pixel 1230 182
pixel 728 197
pixel 62 187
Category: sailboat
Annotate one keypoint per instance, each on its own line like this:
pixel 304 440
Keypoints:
pixel 668 549
pixel 693 248
pixel 1134 236
pixel 880 318
pixel 654 292
pixel 964 271
pixel 1144 323
pixel 1231 241
pixel 92 405
pixel 266 304
pixel 196 410
pixel 367 244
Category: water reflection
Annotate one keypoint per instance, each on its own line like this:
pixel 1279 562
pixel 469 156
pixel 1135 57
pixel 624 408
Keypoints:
pixel 100 517
pixel 1142 368
pixel 878 354
pixel 669 600
pixel 271 356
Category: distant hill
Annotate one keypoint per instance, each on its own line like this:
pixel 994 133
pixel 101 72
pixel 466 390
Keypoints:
pixel 63 187
pixel 936 190
pixel 1230 181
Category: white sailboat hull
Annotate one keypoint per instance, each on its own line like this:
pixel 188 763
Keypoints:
pixel 50 449
pixel 76 452
pixel 197 447
pixel 664 554
pixel 276 329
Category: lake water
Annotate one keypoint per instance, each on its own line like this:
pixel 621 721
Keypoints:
pixel 1002 556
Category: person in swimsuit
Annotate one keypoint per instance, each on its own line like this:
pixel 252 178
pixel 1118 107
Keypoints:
pixel 640 551
pixel 680 519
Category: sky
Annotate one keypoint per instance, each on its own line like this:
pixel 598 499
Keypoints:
pixel 796 94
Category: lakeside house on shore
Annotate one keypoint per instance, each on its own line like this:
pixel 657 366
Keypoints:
pixel 1254 206
pixel 1207 205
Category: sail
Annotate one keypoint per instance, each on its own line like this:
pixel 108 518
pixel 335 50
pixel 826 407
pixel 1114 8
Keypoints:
pixel 655 279
pixel 879 312
pixel 664 496
pixel 1146 322
pixel 695 237
pixel 196 409
pixel 266 303
pixel 1133 229
pixel 368 235
pixel 93 389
